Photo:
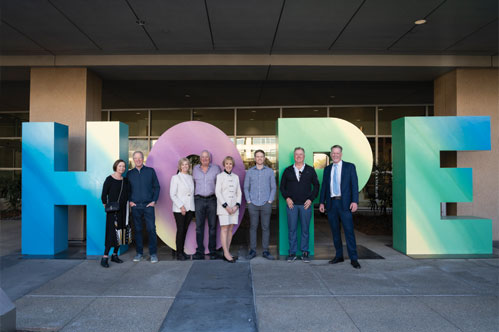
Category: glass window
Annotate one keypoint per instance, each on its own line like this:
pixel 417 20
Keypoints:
pixel 137 145
pixel 10 153
pixel 137 121
pixel 11 124
pixel 259 121
pixel 387 114
pixel 248 145
pixel 162 120
pixel 362 117
pixel 310 112
pixel 431 111
pixel 384 149
pixel 223 119
pixel 103 116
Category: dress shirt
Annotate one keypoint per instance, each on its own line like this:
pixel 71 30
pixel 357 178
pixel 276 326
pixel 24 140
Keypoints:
pixel 338 179
pixel 297 171
pixel 182 192
pixel 205 182
pixel 259 185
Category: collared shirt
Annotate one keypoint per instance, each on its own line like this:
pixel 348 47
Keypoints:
pixel 205 182
pixel 338 178
pixel 259 185
pixel 298 171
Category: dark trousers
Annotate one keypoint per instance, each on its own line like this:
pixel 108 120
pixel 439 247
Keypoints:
pixel 148 215
pixel 182 226
pixel 108 249
pixel 206 208
pixel 257 214
pixel 334 214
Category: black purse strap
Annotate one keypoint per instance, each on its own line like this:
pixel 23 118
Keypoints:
pixel 122 180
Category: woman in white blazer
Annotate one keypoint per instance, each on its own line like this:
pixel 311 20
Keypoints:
pixel 228 192
pixel 182 195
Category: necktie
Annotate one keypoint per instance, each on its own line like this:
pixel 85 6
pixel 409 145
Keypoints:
pixel 336 188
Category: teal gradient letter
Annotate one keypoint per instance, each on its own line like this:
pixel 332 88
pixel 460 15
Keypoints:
pixel 420 185
pixel 48 188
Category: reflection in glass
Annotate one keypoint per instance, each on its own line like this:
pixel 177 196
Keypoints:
pixel 385 149
pixel 223 119
pixel 259 121
pixel 321 160
pixel 10 153
pixel 137 121
pixel 103 115
pixel 362 117
pixel 431 111
pixel 248 145
pixel 162 120
pixel 387 114
pixel 11 124
pixel 137 145
pixel 306 112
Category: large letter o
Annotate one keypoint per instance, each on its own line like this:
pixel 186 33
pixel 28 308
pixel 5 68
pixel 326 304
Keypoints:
pixel 180 141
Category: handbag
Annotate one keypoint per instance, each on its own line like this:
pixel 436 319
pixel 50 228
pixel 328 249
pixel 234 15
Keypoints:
pixel 114 206
pixel 124 236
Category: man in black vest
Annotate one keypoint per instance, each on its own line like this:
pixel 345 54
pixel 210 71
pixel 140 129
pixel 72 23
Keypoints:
pixel 299 186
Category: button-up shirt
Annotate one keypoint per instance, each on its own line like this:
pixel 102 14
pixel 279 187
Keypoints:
pixel 205 182
pixel 259 185
pixel 298 171
pixel 338 179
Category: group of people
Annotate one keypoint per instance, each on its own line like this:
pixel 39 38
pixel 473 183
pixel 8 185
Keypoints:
pixel 210 192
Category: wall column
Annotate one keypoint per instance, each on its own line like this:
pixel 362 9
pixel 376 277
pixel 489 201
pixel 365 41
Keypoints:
pixel 71 96
pixel 469 92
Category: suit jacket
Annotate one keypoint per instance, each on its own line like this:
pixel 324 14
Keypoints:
pixel 227 190
pixel 349 186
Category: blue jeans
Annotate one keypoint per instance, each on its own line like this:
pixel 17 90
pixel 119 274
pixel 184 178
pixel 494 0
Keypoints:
pixel 206 208
pixel 148 214
pixel 298 211
pixel 334 214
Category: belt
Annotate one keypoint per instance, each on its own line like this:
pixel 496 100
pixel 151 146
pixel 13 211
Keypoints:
pixel 205 197
pixel 336 197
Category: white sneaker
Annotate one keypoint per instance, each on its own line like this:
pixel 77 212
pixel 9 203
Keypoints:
pixel 137 258
pixel 154 259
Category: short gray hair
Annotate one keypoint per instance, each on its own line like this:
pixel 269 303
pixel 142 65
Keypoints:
pixel 208 152
pixel 299 148
pixel 141 153
pixel 337 146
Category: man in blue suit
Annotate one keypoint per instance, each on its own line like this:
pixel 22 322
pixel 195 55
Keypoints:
pixel 340 197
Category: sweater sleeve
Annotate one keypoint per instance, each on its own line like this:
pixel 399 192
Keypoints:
pixel 105 190
pixel 155 186
pixel 283 185
pixel 315 184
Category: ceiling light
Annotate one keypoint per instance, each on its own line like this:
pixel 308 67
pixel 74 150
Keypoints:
pixel 419 22
pixel 316 110
pixel 332 97
pixel 187 95
pixel 253 111
pixel 140 22
pixel 252 119
pixel 138 113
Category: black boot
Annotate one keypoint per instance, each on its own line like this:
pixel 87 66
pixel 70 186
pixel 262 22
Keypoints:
pixel 114 258
pixel 103 262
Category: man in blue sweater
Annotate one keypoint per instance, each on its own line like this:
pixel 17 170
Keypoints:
pixel 144 195
pixel 299 186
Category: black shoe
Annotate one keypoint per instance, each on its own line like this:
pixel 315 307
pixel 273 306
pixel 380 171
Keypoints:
pixel 115 258
pixel 198 256
pixel 180 258
pixel 336 260
pixel 104 262
pixel 214 255
pixel 230 261
pixel 355 264
pixel 187 257
pixel 304 257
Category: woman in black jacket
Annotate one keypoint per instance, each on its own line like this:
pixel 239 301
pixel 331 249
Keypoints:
pixel 115 189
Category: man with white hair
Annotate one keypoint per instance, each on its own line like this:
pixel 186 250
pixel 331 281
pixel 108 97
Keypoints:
pixel 205 202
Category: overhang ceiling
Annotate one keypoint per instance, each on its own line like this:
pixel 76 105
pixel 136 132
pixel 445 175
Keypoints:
pixel 70 27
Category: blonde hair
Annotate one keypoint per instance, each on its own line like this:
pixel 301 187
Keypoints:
pixel 229 158
pixel 181 161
